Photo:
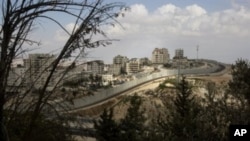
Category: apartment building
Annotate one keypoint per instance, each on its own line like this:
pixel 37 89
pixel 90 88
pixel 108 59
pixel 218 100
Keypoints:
pixel 120 60
pixel 95 67
pixel 38 68
pixel 133 66
pixel 114 69
pixel 179 60
pixel 160 56
pixel 16 76
pixel 179 54
pixel 145 61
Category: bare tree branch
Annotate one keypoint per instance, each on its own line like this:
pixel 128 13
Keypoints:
pixel 19 18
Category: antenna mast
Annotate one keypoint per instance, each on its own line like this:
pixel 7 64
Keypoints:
pixel 197 55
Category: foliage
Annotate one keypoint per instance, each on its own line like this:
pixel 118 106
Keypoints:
pixel 182 121
pixel 74 83
pixel 132 126
pixel 239 86
pixel 106 128
pixel 163 84
pixel 239 89
pixel 214 113
pixel 45 129
pixel 188 117
pixel 167 65
pixel 19 18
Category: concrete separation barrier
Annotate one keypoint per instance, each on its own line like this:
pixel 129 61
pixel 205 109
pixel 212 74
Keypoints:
pixel 112 92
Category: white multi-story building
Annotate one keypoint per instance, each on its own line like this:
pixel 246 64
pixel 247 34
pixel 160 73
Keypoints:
pixel 95 67
pixel 160 56
pixel 114 69
pixel 133 66
pixel 16 76
pixel 121 60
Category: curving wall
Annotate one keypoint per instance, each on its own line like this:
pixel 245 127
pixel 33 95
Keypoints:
pixel 108 93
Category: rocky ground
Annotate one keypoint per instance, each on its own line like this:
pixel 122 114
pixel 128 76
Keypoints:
pixel 153 97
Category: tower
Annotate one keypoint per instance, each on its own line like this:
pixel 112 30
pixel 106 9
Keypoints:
pixel 197 53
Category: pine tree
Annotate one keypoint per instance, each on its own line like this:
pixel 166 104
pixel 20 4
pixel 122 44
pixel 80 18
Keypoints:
pixel 239 88
pixel 182 122
pixel 106 128
pixel 132 126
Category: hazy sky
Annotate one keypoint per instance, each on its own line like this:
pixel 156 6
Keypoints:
pixel 221 29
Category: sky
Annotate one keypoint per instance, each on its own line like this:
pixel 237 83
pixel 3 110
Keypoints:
pixel 220 28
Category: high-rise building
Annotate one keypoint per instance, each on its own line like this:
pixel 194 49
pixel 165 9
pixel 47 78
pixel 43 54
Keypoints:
pixel 133 66
pixel 179 61
pixel 145 61
pixel 95 67
pixel 16 76
pixel 114 69
pixel 160 56
pixel 179 54
pixel 120 60
pixel 38 68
